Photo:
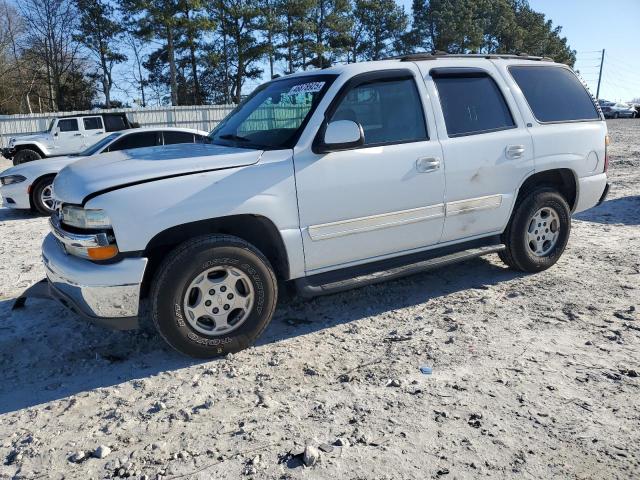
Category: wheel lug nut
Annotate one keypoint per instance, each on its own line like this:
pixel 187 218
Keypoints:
pixel 230 296
pixel 207 303
pixel 212 292
pixel 215 310
pixel 226 306
pixel 223 289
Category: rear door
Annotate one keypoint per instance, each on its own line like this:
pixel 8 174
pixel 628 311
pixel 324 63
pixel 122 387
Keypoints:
pixel 93 130
pixel 487 148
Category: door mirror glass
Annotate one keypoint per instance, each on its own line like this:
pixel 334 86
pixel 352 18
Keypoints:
pixel 342 134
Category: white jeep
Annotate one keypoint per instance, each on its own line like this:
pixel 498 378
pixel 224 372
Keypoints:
pixel 328 180
pixel 65 136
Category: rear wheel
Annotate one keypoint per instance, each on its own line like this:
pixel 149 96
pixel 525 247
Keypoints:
pixel 213 295
pixel 42 195
pixel 538 231
pixel 25 155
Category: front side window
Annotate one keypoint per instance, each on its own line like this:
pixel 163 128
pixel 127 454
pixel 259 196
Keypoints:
pixel 274 115
pixel 68 125
pixel 171 137
pixel 389 111
pixel 471 103
pixel 135 140
pixel 92 123
pixel 554 94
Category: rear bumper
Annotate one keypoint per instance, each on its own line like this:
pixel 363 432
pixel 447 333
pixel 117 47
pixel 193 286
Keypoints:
pixel 105 294
pixel 590 191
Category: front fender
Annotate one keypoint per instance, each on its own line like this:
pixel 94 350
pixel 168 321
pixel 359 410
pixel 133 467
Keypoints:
pixel 38 146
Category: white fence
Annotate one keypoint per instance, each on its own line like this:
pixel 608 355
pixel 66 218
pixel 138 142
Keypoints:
pixel 203 117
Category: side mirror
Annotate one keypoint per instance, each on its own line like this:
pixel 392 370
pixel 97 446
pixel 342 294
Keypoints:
pixel 341 135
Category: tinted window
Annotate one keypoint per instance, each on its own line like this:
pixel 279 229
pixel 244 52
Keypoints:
pixel 554 94
pixel 92 123
pixel 472 104
pixel 68 125
pixel 114 123
pixel 135 140
pixel 171 138
pixel 390 111
pixel 202 139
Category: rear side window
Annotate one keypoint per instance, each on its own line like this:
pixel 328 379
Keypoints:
pixel 472 104
pixel 68 125
pixel 113 123
pixel 92 123
pixel 135 140
pixel 554 94
pixel 171 138
pixel 389 110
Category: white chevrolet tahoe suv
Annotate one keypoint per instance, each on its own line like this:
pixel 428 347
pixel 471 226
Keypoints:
pixel 328 180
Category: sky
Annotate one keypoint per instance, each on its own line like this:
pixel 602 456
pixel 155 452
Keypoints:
pixel 591 26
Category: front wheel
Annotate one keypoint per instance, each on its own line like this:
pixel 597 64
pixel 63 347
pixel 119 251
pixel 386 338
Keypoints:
pixel 25 155
pixel 213 295
pixel 538 231
pixel 42 196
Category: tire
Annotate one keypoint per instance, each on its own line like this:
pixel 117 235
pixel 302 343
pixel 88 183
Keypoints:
pixel 41 197
pixel 176 295
pixel 25 155
pixel 522 235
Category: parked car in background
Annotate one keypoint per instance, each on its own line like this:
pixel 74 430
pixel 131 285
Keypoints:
pixel 28 186
pixel 618 110
pixel 65 135
pixel 326 181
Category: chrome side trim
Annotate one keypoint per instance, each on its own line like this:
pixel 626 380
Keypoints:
pixel 375 222
pixel 473 205
pixel 76 239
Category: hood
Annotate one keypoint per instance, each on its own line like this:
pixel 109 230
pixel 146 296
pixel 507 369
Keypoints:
pixel 32 138
pixel 34 169
pixel 110 170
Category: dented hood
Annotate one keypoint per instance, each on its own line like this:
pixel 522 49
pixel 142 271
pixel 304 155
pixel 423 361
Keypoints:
pixel 115 169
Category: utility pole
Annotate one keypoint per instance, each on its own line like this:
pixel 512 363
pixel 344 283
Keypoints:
pixel 600 74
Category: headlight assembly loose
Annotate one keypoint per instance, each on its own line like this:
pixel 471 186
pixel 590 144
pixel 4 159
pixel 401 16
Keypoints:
pixel 84 218
pixel 11 179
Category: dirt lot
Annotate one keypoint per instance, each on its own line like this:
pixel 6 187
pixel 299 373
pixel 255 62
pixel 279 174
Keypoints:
pixel 534 376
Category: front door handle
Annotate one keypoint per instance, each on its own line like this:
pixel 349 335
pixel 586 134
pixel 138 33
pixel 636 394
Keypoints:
pixel 515 151
pixel 427 164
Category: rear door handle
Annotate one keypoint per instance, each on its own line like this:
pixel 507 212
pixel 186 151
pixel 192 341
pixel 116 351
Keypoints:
pixel 515 151
pixel 427 164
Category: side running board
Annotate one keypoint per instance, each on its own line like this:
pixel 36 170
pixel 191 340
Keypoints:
pixel 313 286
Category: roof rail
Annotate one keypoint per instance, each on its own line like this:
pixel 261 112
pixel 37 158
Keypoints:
pixel 411 57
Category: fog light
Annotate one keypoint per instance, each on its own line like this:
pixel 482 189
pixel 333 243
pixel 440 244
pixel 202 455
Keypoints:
pixel 102 253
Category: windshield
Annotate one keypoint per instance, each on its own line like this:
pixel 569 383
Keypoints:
pixel 97 147
pixel 274 115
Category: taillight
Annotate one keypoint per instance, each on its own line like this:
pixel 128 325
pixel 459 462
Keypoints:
pixel 606 153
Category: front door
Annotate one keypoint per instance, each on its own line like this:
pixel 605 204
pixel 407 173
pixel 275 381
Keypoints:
pixel 382 198
pixel 69 138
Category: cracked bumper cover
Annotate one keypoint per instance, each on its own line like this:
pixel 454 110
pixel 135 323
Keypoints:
pixel 104 294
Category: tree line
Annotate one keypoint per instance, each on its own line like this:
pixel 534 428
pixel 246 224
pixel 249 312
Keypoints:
pixel 60 55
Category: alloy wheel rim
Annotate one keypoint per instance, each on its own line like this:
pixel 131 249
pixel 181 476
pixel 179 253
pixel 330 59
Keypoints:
pixel 543 231
pixel 46 197
pixel 218 300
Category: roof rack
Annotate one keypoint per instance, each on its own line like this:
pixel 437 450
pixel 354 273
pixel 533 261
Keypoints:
pixel 411 57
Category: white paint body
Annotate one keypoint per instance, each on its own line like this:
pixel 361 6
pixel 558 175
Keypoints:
pixel 349 207
pixel 36 170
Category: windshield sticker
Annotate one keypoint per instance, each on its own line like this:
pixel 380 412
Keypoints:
pixel 310 87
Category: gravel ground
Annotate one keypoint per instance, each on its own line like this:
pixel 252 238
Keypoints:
pixel 534 376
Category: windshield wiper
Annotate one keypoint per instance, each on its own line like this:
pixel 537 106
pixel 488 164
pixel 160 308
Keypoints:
pixel 232 136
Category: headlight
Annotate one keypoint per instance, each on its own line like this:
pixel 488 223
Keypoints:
pixel 11 179
pixel 84 218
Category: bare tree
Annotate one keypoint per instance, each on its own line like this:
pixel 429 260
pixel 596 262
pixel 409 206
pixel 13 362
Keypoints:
pixel 50 26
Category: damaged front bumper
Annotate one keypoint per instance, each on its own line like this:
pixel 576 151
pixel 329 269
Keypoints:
pixel 104 294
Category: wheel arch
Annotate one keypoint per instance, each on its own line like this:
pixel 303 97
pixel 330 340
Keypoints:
pixel 255 229
pixel 563 179
pixel 30 146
